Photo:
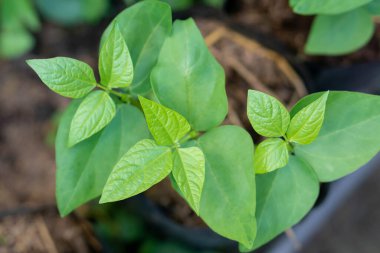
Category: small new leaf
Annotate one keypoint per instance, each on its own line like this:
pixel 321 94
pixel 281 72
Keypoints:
pixel 94 113
pixel 267 115
pixel 271 154
pixel 189 174
pixel 305 125
pixel 65 76
pixel 115 63
pixel 143 166
pixel 166 126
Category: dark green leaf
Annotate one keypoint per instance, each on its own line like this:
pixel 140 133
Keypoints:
pixel 228 201
pixel 71 12
pixel 374 7
pixel 188 79
pixel 311 7
pixel 340 34
pixel 349 137
pixel 82 171
pixel 284 197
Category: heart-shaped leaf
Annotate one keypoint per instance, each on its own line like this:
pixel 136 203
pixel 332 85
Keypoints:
pixel 271 154
pixel 188 79
pixel 267 115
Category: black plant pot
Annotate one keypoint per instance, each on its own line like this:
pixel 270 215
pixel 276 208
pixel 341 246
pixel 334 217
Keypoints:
pixel 363 77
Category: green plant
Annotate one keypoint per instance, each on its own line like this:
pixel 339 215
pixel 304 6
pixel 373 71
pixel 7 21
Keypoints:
pixel 340 27
pixel 71 12
pixel 17 19
pixel 180 5
pixel 163 71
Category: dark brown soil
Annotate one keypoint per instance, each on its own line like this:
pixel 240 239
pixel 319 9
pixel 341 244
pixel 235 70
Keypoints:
pixel 29 221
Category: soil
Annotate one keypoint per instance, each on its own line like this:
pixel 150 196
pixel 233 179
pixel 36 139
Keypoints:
pixel 29 221
pixel 27 167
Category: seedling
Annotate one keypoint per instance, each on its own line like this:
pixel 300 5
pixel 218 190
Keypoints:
pixel 157 110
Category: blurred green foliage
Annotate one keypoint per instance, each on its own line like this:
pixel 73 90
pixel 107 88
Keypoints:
pixel 181 5
pixel 71 12
pixel 17 20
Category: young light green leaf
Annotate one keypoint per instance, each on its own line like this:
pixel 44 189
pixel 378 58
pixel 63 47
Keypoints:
pixel 267 115
pixel 312 7
pixel 143 166
pixel 228 202
pixel 145 35
pixel 189 174
pixel 349 137
pixel 284 197
pixel 188 79
pixel 271 154
pixel 115 63
pixel 82 170
pixel 94 113
pixel 167 126
pixel 305 125
pixel 65 76
pixel 340 34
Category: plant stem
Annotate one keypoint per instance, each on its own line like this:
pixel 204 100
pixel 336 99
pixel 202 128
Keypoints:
pixel 123 96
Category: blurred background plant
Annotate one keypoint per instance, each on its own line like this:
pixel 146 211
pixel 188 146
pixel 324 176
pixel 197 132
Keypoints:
pixel 18 19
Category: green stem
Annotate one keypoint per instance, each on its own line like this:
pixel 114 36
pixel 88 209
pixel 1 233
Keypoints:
pixel 123 96
pixel 191 135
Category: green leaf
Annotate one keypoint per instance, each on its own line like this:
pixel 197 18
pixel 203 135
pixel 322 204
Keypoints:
pixel 65 76
pixel 228 202
pixel 311 7
pixel 340 34
pixel 267 115
pixel 143 166
pixel 14 43
pixel 145 27
pixel 349 137
pixel 166 125
pixel 374 7
pixel 284 197
pixel 179 5
pixel 271 154
pixel 115 63
pixel 82 170
pixel 189 174
pixel 188 79
pixel 71 12
pixel 306 123
pixel 94 113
